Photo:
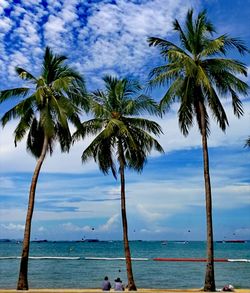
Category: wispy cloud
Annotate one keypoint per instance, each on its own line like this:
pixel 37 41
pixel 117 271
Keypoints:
pixel 110 225
pixel 11 226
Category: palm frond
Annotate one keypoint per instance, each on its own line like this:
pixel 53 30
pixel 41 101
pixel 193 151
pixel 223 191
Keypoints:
pixel 101 150
pixel 90 127
pixel 51 65
pixel 247 144
pixel 217 109
pixel 13 93
pixel 35 138
pixel 64 136
pixel 183 38
pixel 164 46
pixel 212 47
pixel 23 125
pixel 200 116
pixel 185 114
pixel 46 122
pixel 143 124
pixel 219 65
pixel 237 104
pixel 142 104
pixel 24 74
pixel 235 43
pixel 18 111
pixel 172 94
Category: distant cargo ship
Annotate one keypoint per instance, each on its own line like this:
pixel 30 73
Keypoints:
pixel 232 241
pixel 88 240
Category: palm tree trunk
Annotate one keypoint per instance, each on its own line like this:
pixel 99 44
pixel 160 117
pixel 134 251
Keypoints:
pixel 23 273
pixel 209 278
pixel 131 283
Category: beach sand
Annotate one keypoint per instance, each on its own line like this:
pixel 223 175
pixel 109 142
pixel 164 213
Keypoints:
pixel 100 291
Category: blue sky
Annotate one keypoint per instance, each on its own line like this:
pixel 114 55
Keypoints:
pixel 165 201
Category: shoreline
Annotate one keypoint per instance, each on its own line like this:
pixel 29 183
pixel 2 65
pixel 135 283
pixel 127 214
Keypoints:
pixel 85 290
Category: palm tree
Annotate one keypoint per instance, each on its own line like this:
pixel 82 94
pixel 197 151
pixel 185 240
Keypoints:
pixel 121 137
pixel 198 75
pixel 47 105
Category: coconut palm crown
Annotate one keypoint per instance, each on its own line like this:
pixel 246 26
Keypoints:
pixel 115 112
pixel 47 104
pixel 122 138
pixel 43 110
pixel 197 75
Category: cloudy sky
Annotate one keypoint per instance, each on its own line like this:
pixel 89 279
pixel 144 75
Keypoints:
pixel 166 201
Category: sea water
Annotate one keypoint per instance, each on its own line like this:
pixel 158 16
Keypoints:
pixel 64 264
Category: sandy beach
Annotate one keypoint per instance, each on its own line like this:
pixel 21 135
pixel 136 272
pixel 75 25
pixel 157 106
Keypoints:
pixel 100 291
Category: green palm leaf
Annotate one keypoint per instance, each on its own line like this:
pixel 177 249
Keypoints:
pixel 54 99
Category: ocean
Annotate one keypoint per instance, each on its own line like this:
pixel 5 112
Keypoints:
pixel 74 264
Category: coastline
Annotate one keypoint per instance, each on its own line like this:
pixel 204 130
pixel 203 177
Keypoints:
pixel 141 290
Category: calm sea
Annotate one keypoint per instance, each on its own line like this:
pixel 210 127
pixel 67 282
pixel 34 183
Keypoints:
pixel 65 264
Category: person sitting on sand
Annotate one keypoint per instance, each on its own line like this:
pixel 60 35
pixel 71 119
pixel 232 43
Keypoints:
pixel 118 285
pixel 228 288
pixel 106 284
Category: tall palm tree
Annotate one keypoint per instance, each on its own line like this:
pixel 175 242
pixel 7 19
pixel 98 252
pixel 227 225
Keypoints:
pixel 122 138
pixel 47 105
pixel 198 74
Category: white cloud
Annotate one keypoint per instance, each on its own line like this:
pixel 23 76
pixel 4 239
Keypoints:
pixel 110 35
pixel 54 26
pixel 6 182
pixel 4 4
pixel 110 225
pixel 5 25
pixel 74 228
pixel 11 226
pixel 9 214
pixel 17 59
pixel 156 230
pixel 147 212
pixel 243 232
pixel 121 29
pixel 41 229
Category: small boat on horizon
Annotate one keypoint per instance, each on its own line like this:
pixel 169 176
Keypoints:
pixel 232 241
pixel 88 240
pixel 40 241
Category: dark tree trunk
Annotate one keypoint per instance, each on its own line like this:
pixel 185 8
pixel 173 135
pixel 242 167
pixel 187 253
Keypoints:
pixel 209 278
pixel 131 283
pixel 23 272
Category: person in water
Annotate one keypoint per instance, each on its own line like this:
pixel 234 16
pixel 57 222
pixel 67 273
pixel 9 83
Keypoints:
pixel 118 285
pixel 106 284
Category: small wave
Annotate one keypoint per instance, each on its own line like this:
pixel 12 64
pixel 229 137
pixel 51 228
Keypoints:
pixel 43 257
pixel 115 258
pixel 9 257
pixel 238 260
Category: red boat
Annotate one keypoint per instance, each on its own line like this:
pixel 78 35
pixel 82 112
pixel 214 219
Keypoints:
pixel 235 241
